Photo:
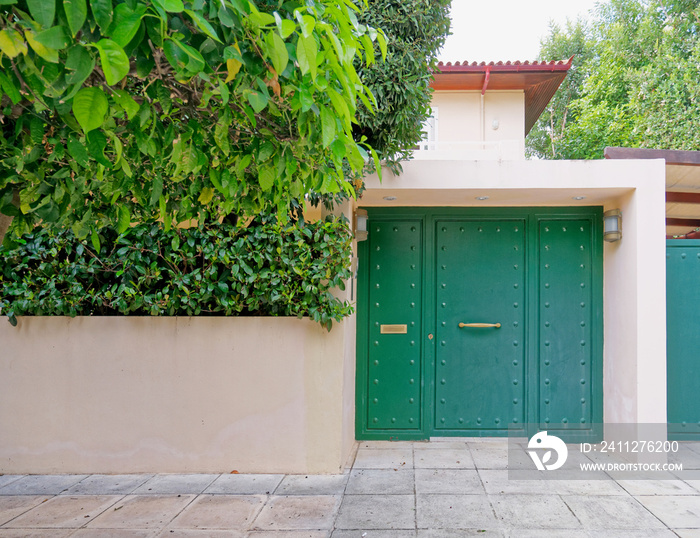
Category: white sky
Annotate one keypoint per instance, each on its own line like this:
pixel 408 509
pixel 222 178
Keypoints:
pixel 495 30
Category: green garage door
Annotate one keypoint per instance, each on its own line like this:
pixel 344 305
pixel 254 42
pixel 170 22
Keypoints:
pixel 471 321
pixel 683 338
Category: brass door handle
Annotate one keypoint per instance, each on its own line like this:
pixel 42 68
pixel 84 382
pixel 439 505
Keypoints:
pixel 480 325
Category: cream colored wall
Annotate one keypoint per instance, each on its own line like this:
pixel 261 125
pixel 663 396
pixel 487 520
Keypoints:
pixel 113 395
pixel 349 294
pixel 460 120
pixel 634 380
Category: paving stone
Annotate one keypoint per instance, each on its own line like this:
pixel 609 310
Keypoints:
pixel 460 533
pixel 457 481
pixel 142 512
pixel 677 512
pixel 454 512
pixel 312 512
pixel 36 533
pixel 64 512
pixel 361 533
pixel 691 445
pixel 390 444
pixel 657 487
pixel 546 533
pixel 638 533
pixel 333 484
pixel 682 533
pixel 534 512
pixel 42 484
pixel 587 487
pixel 108 484
pixel 219 512
pixel 443 458
pixel 377 512
pixel 384 458
pixel 496 482
pixel 689 458
pixel 117 533
pixel 611 512
pixel 164 484
pixel 288 534
pixel 11 507
pixel 245 484
pixel 489 458
pixel 380 481
pixel 442 444
pixel 6 479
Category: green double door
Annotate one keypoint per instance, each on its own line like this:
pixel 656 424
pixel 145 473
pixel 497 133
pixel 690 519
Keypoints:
pixel 471 322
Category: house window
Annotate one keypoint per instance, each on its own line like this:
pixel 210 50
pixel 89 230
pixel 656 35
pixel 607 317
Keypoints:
pixel 430 128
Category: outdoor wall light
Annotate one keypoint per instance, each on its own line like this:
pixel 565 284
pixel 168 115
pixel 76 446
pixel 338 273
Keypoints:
pixel 612 225
pixel 361 225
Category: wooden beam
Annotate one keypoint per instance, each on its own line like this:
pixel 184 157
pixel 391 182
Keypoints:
pixel 674 221
pixel 672 156
pixel 683 197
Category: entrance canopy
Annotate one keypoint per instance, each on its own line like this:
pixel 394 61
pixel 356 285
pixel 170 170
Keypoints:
pixel 682 186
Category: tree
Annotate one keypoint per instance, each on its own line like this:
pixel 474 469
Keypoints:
pixel 544 139
pixel 117 111
pixel 415 31
pixel 639 83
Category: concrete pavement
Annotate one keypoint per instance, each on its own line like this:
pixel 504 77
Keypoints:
pixel 444 489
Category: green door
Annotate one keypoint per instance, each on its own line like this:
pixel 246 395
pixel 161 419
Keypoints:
pixel 394 365
pixel 683 338
pixel 473 321
pixel 480 322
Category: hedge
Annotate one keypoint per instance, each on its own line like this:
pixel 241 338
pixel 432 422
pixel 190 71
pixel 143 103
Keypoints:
pixel 264 269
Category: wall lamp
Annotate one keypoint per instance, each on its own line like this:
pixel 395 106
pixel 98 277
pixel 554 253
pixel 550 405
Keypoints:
pixel 361 225
pixel 612 225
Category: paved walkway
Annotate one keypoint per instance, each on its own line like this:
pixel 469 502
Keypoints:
pixel 394 490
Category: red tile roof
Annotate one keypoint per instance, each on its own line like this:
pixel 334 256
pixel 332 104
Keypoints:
pixel 539 80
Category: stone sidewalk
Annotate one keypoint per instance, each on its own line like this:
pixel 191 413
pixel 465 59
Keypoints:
pixel 394 490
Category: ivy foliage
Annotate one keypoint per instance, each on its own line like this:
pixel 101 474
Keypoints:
pixel 122 111
pixel 636 83
pixel 267 268
pixel 416 31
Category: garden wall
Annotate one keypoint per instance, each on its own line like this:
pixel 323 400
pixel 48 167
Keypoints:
pixel 158 394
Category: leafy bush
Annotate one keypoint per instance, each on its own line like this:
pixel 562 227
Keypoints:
pixel 264 269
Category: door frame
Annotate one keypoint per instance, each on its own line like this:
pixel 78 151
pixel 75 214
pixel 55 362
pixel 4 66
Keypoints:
pixel 428 216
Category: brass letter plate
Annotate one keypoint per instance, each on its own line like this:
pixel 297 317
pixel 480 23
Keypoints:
pixel 393 329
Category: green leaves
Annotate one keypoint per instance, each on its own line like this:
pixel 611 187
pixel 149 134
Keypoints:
pixel 102 11
pixel 277 51
pixel 327 126
pixel 265 268
pixel 12 43
pixel 123 219
pixel 90 107
pixel 115 62
pixel 43 11
pixel 228 109
pixel 307 49
pixel 76 12
pixel 54 38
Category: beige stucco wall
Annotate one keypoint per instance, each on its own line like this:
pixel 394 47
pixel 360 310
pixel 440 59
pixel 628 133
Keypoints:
pixel 634 378
pixel 465 119
pixel 135 394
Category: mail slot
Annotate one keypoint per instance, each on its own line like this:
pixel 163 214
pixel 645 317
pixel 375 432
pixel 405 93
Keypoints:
pixel 393 329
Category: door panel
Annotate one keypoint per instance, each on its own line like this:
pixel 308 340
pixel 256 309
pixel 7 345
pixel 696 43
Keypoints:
pixel 395 307
pixel 480 279
pixel 683 338
pixel 565 325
